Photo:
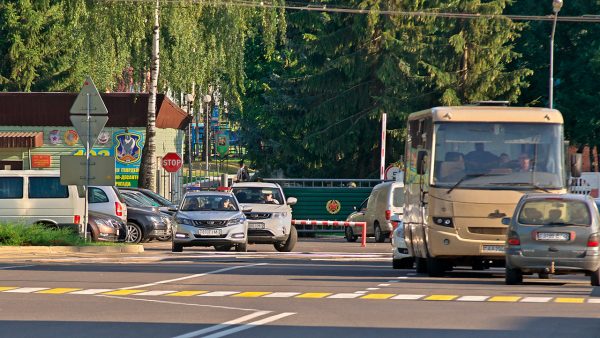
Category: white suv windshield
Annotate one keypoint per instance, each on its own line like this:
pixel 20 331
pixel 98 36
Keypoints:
pixel 258 195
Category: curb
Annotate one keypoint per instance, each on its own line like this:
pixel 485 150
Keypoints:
pixel 53 250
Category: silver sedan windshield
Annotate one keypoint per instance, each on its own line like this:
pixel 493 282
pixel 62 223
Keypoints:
pixel 209 203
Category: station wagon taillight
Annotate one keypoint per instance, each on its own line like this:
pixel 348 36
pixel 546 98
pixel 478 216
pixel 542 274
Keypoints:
pixel 77 219
pixel 388 214
pixel 513 239
pixel 593 241
pixel 118 209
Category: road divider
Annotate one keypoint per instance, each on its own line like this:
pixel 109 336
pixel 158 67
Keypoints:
pixel 363 242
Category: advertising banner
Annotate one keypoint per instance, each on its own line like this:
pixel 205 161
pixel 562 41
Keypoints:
pixel 128 146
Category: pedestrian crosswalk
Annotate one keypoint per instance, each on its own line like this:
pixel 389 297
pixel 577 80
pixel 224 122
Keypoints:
pixel 300 295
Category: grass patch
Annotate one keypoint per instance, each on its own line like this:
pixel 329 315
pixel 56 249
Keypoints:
pixel 38 235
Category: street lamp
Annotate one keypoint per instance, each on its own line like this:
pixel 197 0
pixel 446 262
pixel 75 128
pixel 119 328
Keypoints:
pixel 190 99
pixel 207 98
pixel 556 6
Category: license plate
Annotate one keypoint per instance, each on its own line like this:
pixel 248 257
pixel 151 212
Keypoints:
pixel 553 236
pixel 210 232
pixel 492 248
pixel 256 225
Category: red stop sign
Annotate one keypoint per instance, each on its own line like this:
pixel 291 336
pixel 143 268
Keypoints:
pixel 172 162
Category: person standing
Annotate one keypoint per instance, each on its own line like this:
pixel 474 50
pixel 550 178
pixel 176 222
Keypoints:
pixel 242 173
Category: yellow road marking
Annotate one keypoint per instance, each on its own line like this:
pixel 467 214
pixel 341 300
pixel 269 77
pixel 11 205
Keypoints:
pixel 58 290
pixel 504 299
pixel 569 300
pixel 441 297
pixel 5 288
pixel 313 295
pixel 186 293
pixel 251 294
pixel 378 296
pixel 123 292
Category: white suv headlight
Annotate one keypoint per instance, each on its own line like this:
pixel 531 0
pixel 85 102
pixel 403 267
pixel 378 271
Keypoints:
pixel 280 214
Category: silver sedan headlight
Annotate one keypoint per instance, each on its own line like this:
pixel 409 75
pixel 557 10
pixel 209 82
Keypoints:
pixel 236 221
pixel 183 220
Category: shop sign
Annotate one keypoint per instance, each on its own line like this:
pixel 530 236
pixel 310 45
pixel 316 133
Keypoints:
pixel 40 161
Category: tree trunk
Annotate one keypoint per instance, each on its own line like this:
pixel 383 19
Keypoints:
pixel 147 178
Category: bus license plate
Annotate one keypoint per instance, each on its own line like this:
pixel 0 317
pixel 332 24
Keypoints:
pixel 492 248
pixel 210 232
pixel 552 236
pixel 256 225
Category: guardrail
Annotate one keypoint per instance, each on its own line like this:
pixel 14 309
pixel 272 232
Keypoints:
pixel 337 223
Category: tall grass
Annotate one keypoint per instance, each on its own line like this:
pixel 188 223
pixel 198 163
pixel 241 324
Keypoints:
pixel 38 235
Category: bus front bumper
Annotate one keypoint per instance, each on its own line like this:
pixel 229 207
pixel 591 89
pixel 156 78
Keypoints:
pixel 444 244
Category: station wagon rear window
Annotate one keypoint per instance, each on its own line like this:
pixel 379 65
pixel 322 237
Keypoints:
pixel 11 187
pixel 47 187
pixel 554 212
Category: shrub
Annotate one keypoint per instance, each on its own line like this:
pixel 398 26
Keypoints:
pixel 33 235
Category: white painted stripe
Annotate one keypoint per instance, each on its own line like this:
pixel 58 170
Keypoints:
pixel 26 290
pixel 345 295
pixel 178 303
pixel 473 298
pixel 408 297
pixel 281 295
pixel 383 285
pixel 154 293
pixel 402 277
pixel 222 326
pixel 193 276
pixel 535 299
pixel 594 300
pixel 371 289
pixel 250 325
pixel 15 267
pixel 91 291
pixel 361 292
pixel 392 281
pixel 219 294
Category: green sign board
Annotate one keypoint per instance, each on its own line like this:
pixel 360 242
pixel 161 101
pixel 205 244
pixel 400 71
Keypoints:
pixel 222 140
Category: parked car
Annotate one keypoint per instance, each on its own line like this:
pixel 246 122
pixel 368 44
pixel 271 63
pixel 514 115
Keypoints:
pixel 210 218
pixel 553 234
pixel 163 203
pixel 270 221
pixel 106 228
pixel 400 257
pixel 137 200
pixel 108 200
pixel 36 196
pixel 144 224
pixel 385 200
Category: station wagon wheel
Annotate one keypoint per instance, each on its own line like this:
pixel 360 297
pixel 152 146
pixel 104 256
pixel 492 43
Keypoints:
pixel 134 233
pixel 379 237
pixel 595 278
pixel 350 237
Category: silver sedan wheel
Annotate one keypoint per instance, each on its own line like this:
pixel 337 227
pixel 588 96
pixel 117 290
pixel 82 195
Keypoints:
pixel 134 233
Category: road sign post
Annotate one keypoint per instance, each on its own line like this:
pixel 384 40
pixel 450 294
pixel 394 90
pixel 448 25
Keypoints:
pixel 88 116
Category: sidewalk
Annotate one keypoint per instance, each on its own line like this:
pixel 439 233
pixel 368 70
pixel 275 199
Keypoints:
pixel 24 252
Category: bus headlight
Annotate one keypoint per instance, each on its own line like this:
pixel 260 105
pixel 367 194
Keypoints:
pixel 443 221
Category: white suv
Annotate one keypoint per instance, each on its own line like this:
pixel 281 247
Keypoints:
pixel 270 221
pixel 108 200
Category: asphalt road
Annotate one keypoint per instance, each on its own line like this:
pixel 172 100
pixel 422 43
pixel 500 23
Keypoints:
pixel 327 288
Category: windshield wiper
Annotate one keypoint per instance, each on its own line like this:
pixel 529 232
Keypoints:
pixel 464 178
pixel 524 184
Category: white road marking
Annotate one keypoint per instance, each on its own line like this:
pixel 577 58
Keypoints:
pixel 535 299
pixel 392 281
pixel 473 298
pixel 361 292
pixel 408 297
pixel 372 289
pixel 402 277
pixel 281 295
pixel 178 303
pixel 26 290
pixel 222 326
pixel 250 325
pixel 154 293
pixel 219 294
pixel 194 276
pixel 597 301
pixel 383 285
pixel 345 295
pixel 15 267
pixel 91 291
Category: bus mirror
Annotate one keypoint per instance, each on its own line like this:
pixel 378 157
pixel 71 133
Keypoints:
pixel 421 162
pixel 506 220
pixel 576 164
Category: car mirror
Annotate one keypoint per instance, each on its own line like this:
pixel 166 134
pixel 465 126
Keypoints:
pixel 421 161
pixel 355 208
pixel 506 220
pixel 292 200
pixel 246 209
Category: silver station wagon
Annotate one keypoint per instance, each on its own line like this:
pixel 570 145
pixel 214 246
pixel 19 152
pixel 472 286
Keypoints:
pixel 553 234
pixel 210 218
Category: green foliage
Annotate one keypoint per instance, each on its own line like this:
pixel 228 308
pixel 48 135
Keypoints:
pixel 22 235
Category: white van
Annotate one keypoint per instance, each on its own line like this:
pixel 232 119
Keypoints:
pixel 386 200
pixel 36 196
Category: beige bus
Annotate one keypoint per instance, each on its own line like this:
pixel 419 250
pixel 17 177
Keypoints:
pixel 466 168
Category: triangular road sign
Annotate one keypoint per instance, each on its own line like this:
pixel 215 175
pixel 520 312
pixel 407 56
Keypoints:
pixel 96 105
pixel 96 125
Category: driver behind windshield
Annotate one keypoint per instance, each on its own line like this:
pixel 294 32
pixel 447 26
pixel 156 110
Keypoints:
pixel 480 160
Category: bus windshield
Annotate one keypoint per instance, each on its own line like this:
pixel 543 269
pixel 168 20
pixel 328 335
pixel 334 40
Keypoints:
pixel 498 155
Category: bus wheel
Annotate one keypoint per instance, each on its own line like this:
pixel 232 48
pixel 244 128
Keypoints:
pixel 436 267
pixel 421 265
